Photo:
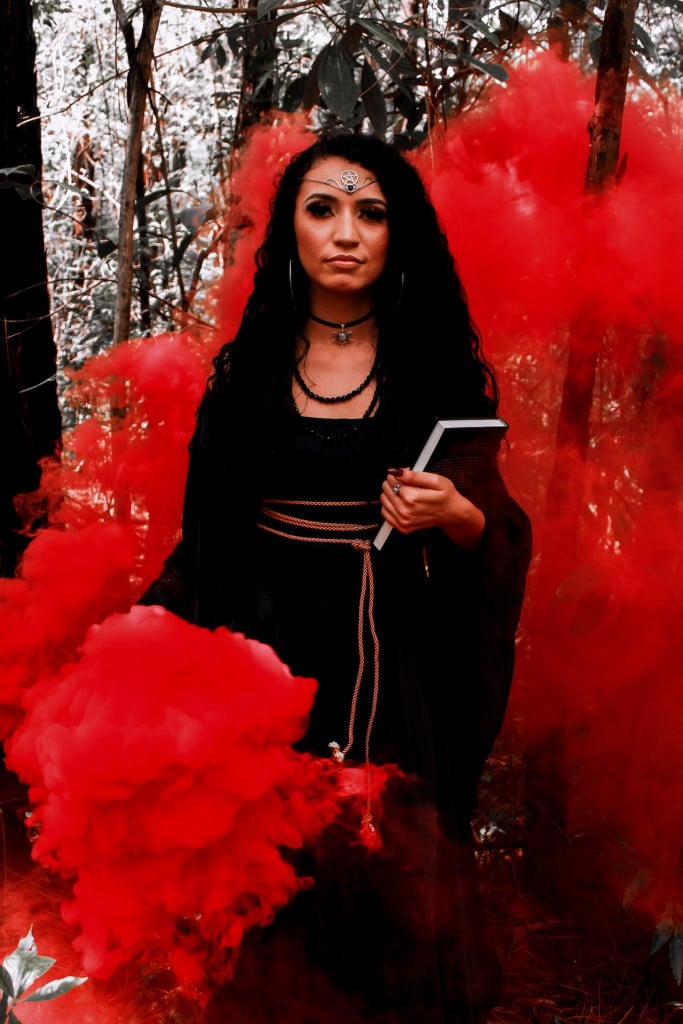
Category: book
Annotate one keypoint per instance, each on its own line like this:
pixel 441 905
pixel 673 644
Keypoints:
pixel 458 449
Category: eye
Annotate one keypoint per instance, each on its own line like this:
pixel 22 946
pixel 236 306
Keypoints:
pixel 376 214
pixel 319 209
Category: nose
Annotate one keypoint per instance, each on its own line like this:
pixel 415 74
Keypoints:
pixel 346 228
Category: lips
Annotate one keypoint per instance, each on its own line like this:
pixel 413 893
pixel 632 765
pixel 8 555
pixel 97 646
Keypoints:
pixel 344 259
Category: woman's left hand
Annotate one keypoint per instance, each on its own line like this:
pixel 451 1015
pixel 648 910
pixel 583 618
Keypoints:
pixel 419 501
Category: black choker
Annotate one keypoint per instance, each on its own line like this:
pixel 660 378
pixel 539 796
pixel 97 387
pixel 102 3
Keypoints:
pixel 341 335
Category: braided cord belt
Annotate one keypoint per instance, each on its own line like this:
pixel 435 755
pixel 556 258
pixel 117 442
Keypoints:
pixel 273 518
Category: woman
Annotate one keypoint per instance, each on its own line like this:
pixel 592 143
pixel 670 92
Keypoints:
pixel 355 339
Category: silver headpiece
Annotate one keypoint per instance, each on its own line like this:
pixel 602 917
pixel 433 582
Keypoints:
pixel 347 181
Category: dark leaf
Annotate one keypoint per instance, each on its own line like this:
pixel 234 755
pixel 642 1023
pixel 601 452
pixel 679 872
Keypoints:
pixel 412 109
pixel 23 174
pixel 264 8
pixel 645 41
pixel 6 983
pixel 235 38
pixel 206 53
pixel 595 43
pixel 482 29
pixel 54 989
pixel 221 56
pixel 373 98
pixel 676 956
pixel 381 33
pixel 337 81
pixel 661 937
pixel 494 70
pixel 311 87
pixel 511 28
pixel 294 93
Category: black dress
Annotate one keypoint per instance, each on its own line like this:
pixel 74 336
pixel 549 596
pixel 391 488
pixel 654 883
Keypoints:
pixel 405 934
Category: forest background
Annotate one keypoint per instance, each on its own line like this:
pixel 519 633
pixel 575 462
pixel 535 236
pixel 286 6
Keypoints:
pixel 139 147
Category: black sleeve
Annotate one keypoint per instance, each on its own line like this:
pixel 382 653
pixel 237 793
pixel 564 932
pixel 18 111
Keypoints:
pixel 479 598
pixel 177 587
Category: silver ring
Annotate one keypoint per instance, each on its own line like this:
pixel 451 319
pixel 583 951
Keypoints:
pixel 396 488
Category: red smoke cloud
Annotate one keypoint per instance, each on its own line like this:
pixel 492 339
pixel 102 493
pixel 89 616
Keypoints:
pixel 122 740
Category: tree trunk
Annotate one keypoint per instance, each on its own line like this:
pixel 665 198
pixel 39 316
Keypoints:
pixel 141 66
pixel 610 95
pixel 29 411
pixel 551 863
pixel 257 92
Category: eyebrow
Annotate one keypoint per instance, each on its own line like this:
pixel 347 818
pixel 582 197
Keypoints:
pixel 359 202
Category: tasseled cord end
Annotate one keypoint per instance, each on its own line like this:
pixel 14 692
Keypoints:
pixel 367 833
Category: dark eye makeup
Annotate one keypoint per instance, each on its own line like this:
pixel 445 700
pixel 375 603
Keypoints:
pixel 373 212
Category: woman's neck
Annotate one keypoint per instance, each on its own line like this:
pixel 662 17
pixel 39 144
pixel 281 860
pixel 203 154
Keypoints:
pixel 339 308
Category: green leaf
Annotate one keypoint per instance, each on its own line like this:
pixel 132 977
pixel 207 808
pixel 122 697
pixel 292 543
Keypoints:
pixel 25 968
pixel 264 8
pixel 494 70
pixel 53 989
pixel 381 33
pixel 235 37
pixel 373 98
pixel 24 965
pixel 645 41
pixel 6 983
pixel 337 80
pixel 311 86
pixel 661 937
pixel 482 29
pixel 294 93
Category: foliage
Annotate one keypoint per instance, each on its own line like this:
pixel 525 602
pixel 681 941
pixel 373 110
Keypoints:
pixel 397 69
pixel 18 972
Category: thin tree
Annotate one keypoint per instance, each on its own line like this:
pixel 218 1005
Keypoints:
pixel 140 56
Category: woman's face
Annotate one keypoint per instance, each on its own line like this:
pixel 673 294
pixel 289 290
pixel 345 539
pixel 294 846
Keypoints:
pixel 342 237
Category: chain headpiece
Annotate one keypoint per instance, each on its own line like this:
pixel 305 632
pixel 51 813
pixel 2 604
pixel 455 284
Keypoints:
pixel 348 181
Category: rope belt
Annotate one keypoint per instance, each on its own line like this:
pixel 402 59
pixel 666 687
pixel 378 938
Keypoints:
pixel 275 517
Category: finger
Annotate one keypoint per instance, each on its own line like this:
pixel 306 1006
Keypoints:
pixel 428 481
pixel 392 485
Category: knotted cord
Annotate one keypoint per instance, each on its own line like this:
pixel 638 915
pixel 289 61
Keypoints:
pixel 275 520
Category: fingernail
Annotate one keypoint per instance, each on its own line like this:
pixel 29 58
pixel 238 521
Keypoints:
pixel 395 472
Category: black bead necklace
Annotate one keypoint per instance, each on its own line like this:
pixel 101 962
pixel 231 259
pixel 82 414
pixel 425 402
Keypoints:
pixel 342 334
pixel 333 399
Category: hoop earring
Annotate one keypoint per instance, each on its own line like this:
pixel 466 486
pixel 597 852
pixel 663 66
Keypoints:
pixel 290 272
pixel 400 291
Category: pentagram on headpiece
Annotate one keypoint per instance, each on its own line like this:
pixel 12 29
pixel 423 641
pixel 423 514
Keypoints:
pixel 348 181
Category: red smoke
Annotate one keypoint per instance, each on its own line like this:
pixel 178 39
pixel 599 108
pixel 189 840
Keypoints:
pixel 128 743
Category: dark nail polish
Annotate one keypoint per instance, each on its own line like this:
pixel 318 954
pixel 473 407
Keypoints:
pixel 395 472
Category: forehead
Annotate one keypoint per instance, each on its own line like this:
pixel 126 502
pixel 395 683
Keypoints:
pixel 336 169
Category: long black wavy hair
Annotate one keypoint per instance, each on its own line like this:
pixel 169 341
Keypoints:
pixel 430 360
